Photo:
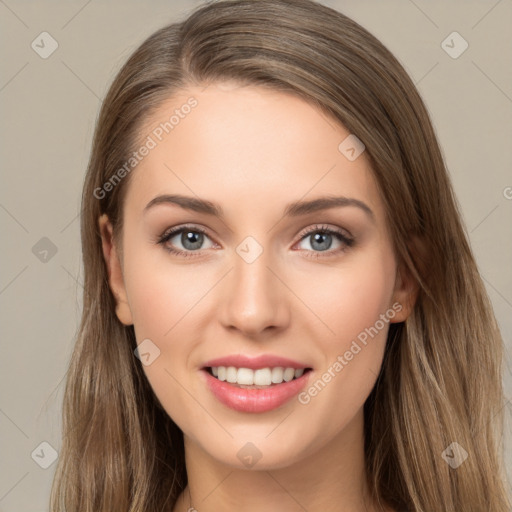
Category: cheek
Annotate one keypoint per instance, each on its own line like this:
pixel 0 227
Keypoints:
pixel 349 298
pixel 353 303
pixel 162 299
pixel 160 294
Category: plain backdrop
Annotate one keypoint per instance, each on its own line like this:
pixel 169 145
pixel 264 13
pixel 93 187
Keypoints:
pixel 49 106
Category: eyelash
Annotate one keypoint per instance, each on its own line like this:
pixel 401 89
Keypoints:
pixel 347 241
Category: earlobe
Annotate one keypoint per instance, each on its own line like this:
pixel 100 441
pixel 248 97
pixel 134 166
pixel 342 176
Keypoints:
pixel 114 269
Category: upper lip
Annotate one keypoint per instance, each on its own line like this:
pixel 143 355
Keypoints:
pixel 254 363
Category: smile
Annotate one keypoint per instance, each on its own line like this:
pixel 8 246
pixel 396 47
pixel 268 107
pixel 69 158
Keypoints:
pixel 255 398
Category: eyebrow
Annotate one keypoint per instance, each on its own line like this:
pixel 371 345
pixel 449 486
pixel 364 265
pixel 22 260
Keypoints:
pixel 294 209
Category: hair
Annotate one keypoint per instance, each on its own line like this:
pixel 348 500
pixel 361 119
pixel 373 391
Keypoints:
pixel 440 380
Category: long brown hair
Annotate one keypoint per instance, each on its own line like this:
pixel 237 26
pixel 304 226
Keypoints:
pixel 440 380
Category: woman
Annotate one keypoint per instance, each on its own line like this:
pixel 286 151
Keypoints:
pixel 281 307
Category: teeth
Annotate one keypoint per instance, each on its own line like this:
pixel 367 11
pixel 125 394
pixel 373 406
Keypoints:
pixel 260 377
pixel 231 374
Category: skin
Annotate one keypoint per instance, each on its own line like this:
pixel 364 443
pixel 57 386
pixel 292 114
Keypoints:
pixel 252 151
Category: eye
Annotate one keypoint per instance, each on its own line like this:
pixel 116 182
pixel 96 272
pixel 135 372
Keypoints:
pixel 191 239
pixel 320 239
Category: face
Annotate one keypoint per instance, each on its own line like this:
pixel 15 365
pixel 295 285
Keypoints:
pixel 247 274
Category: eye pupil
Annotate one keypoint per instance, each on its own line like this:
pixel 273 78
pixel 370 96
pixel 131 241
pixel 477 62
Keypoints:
pixel 191 237
pixel 321 239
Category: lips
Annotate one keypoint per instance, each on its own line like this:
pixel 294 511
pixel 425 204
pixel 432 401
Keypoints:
pixel 248 399
pixel 254 400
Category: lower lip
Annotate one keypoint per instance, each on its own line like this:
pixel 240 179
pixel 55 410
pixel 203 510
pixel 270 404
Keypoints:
pixel 255 400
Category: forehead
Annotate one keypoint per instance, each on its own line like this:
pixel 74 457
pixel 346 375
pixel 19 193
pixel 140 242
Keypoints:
pixel 260 147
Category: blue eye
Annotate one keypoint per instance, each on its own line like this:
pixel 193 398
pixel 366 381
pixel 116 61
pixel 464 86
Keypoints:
pixel 321 240
pixel 192 238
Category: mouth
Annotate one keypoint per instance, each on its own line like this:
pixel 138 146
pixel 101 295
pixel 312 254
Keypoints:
pixel 260 378
pixel 255 384
pixel 253 390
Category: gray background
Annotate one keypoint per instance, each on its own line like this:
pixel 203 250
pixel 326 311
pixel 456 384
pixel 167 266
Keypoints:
pixel 49 107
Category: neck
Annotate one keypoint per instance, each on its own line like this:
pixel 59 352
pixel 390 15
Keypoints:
pixel 330 478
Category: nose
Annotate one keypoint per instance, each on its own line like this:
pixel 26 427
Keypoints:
pixel 253 299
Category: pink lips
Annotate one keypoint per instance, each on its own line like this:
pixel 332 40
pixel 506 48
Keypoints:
pixel 254 400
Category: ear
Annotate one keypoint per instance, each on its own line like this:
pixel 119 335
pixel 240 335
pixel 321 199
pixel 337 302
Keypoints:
pixel 405 294
pixel 115 272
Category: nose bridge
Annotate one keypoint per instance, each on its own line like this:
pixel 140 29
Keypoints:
pixel 253 299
